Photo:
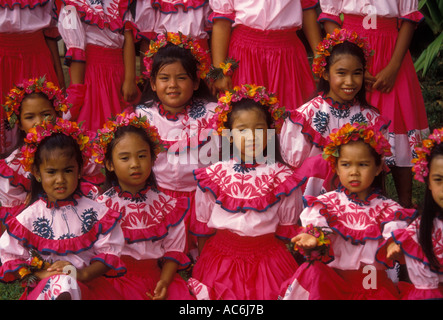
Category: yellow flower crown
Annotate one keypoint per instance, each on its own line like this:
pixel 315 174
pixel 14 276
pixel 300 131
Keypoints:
pixel 18 93
pixel 353 132
pixel 107 133
pixel 420 167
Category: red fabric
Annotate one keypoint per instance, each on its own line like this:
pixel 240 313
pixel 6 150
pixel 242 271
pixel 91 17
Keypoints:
pixel 22 3
pixel 170 7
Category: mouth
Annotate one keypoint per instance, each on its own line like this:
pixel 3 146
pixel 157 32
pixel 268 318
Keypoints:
pixel 348 91
pixel 354 183
pixel 136 175
pixel 60 190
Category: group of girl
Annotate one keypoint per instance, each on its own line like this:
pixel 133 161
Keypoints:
pixel 173 194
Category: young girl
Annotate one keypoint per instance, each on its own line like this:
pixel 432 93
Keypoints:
pixel 62 243
pixel 244 204
pixel 340 65
pixel 152 221
pixel 264 41
pixel 101 55
pixel 395 90
pixel 28 49
pixel 26 105
pixel 180 106
pixel 421 242
pixel 358 217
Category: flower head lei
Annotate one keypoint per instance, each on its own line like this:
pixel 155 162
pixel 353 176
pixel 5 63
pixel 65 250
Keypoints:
pixel 253 92
pixel 18 93
pixel 420 167
pixel 324 48
pixel 354 132
pixel 107 133
pixel 47 128
pixel 183 41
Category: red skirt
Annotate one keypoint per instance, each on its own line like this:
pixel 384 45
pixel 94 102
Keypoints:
pixel 404 105
pixel 234 267
pixel 275 59
pixel 22 56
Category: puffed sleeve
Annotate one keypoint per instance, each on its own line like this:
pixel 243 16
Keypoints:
pixel 408 10
pixel 288 214
pixel 295 145
pixel 73 33
pixel 222 9
pixel 330 11
pixel 311 213
pixel 204 204
pixel 12 254
pixel 174 245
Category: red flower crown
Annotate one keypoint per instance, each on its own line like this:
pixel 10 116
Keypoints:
pixel 420 167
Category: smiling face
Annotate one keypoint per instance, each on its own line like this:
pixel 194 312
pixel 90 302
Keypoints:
pixel 345 77
pixel 356 168
pixel 174 87
pixel 131 162
pixel 33 110
pixel 436 179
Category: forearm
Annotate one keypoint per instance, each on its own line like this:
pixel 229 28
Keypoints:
pixel 77 72
pixel 311 28
pixel 402 44
pixel 221 36
pixel 94 270
pixel 330 26
pixel 129 57
pixel 55 55
pixel 169 270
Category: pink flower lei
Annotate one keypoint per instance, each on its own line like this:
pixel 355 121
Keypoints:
pixel 420 167
pixel 324 48
pixel 354 132
pixel 253 92
pixel 107 133
pixel 183 41
pixel 47 128
pixel 18 93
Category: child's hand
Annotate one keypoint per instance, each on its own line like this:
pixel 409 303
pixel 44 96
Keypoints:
pixel 305 241
pixel 385 79
pixel 54 269
pixel 221 85
pixel 160 291
pixel 130 91
pixel 369 81
pixel 394 252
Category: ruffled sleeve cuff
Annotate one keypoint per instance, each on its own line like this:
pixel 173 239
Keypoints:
pixel 52 33
pixel 287 232
pixel 309 4
pixel 168 7
pixel 200 229
pixel 313 135
pixel 323 17
pixel 228 16
pixel 180 258
pixel 13 176
pixel 8 270
pixel 116 265
pixel 75 55
pixel 415 17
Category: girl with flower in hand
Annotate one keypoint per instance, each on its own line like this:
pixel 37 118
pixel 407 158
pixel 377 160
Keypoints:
pixel 340 65
pixel 152 222
pixel 79 238
pixel 420 245
pixel 246 205
pixel 357 216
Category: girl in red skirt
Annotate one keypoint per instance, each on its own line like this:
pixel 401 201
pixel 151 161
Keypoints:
pixel 262 37
pixel 395 90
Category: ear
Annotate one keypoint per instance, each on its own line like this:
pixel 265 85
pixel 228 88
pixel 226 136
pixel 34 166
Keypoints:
pixel 326 76
pixel 197 84
pixel 36 173
pixel 153 86
pixel 380 168
pixel 109 165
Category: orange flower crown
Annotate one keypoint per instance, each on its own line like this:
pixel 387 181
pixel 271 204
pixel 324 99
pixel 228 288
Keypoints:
pixel 354 132
pixel 18 93
pixel 47 128
pixel 183 41
pixel 420 167
pixel 248 91
pixel 107 133
pixel 324 48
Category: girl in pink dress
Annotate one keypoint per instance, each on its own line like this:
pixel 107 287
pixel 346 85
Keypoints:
pixel 262 37
pixel 246 205
pixel 178 102
pixel 340 65
pixel 420 245
pixel 26 105
pixel 62 243
pixel 344 228
pixel 152 222
pixel 395 90
pixel 28 49
pixel 99 36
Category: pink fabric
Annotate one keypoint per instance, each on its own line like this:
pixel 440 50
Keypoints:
pixel 11 4
pixel 18 17
pixel 243 268
pixel 172 6
pixel 274 59
pixel 409 292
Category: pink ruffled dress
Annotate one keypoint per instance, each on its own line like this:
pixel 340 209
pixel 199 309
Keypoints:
pixel 404 105
pixel 24 54
pixel 305 131
pixel 245 210
pixel 427 281
pixel 93 33
pixel 264 40
pixel 154 230
pixel 358 228
pixel 78 230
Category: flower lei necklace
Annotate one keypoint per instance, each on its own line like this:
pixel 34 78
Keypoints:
pixel 46 129
pixel 420 167
pixel 324 48
pixel 248 91
pixel 354 132
pixel 183 41
pixel 107 133
pixel 18 93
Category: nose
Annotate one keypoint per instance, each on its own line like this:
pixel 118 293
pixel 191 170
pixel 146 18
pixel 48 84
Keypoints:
pixel 135 163
pixel 60 178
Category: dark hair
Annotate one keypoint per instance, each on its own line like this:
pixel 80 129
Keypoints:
pixel 430 210
pixel 170 54
pixel 111 177
pixel 248 104
pixel 341 49
pixel 379 181
pixel 57 141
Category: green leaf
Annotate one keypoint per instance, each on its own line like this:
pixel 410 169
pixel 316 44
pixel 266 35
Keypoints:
pixel 426 58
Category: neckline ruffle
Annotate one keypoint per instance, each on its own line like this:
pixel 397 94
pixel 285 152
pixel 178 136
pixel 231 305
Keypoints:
pixel 170 7
pixel 339 105
pixel 31 4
